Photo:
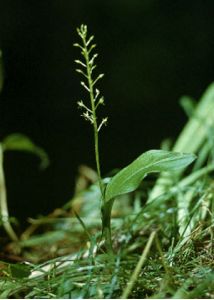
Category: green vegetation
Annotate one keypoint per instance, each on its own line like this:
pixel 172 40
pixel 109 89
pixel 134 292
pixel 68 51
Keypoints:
pixel 128 179
pixel 17 142
pixel 14 142
pixel 127 235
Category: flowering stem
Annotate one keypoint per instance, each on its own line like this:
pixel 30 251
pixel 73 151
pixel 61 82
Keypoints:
pixel 87 66
pixel 93 109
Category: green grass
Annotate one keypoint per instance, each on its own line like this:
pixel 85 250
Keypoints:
pixel 90 273
pixel 173 266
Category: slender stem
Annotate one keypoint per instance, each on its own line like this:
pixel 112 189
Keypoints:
pixel 165 266
pixel 106 225
pixel 3 202
pixel 93 108
pixel 91 116
pixel 138 268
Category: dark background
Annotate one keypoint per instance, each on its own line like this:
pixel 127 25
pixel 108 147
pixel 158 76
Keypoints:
pixel 152 52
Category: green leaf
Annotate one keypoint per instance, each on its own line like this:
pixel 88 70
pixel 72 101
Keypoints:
pixel 20 142
pixel 129 178
pixel 188 104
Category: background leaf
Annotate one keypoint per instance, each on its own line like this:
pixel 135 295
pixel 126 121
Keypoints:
pixel 129 178
pixel 20 142
pixel 188 104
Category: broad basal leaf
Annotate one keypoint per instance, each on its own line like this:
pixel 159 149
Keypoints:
pixel 129 178
pixel 20 142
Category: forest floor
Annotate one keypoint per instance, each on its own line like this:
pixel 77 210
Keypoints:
pixel 162 233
